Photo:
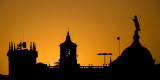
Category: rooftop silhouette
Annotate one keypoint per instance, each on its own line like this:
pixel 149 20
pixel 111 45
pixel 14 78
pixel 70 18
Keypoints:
pixel 23 65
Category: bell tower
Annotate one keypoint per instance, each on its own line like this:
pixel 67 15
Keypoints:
pixel 68 56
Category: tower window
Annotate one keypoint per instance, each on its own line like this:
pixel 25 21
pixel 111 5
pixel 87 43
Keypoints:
pixel 68 53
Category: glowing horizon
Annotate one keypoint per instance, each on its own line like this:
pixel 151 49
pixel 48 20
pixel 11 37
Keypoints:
pixel 94 26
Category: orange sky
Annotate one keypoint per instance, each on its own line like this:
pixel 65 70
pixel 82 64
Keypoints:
pixel 94 26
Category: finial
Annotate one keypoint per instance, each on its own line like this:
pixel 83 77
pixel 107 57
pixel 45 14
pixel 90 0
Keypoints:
pixel 68 31
pixel 68 36
pixel 136 35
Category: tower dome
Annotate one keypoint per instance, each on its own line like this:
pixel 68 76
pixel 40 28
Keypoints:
pixel 68 41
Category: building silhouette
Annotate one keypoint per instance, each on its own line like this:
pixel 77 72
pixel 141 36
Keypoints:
pixel 135 58
pixel 22 62
pixel 68 56
pixel 23 65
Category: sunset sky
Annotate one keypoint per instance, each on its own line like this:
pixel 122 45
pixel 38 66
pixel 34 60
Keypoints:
pixel 94 26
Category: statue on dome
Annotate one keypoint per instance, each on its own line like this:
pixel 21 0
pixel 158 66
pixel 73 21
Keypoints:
pixel 136 23
pixel 136 35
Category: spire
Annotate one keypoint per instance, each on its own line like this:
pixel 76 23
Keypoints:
pixel 34 46
pixel 68 40
pixel 68 36
pixel 136 35
pixel 68 32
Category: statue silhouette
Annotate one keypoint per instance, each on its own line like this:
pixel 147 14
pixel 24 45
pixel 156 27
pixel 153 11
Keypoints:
pixel 136 23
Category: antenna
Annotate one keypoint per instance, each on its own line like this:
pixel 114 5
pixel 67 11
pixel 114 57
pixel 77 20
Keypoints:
pixel 23 36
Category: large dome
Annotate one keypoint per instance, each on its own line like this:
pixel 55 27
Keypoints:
pixel 136 56
pixel 134 59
